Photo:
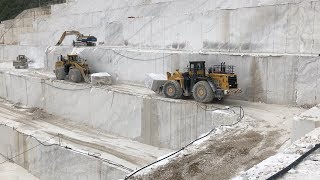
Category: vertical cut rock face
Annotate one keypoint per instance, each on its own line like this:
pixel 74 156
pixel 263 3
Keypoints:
pixel 139 31
pixel 306 122
pixel 227 26
pixel 128 111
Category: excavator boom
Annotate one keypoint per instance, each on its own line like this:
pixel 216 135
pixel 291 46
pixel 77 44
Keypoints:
pixel 80 38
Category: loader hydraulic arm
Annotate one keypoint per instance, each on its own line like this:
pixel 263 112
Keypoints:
pixel 81 69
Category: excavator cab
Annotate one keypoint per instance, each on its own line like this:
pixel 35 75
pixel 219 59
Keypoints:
pixel 89 39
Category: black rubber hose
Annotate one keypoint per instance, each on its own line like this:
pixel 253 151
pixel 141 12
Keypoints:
pixel 294 164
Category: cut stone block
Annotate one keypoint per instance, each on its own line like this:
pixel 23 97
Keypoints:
pixel 101 79
pixel 154 81
pixel 306 122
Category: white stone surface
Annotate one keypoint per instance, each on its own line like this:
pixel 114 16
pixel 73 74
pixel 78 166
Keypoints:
pixel 308 169
pixel 281 79
pixel 306 122
pixel 11 171
pixel 264 27
pixel 232 26
pixel 53 162
pixel 35 54
pixel 123 155
pixel 128 111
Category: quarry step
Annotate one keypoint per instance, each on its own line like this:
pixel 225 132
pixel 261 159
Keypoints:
pixel 129 111
pixel 274 46
pixel 128 154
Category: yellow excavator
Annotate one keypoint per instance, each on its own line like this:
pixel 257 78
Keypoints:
pixel 72 68
pixel 81 40
pixel 218 82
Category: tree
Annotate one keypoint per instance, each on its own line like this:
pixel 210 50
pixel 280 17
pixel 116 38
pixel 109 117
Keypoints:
pixel 11 8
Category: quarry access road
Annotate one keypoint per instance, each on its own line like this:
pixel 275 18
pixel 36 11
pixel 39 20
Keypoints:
pixel 124 152
pixel 280 116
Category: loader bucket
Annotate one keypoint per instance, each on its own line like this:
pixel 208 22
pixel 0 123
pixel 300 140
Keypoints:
pixel 155 81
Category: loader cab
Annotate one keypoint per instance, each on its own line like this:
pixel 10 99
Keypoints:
pixel 197 68
pixel 21 58
pixel 74 58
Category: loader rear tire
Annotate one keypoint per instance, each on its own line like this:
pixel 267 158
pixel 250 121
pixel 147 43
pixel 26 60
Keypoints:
pixel 75 75
pixel 60 73
pixel 172 89
pixel 202 92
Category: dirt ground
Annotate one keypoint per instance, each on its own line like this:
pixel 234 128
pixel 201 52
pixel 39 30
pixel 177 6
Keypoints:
pixel 264 130
pixel 223 158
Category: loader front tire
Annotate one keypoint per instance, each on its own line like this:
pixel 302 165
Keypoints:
pixel 60 73
pixel 75 75
pixel 202 92
pixel 172 89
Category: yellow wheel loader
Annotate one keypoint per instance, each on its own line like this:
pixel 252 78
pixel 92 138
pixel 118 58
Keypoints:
pixel 217 83
pixel 72 68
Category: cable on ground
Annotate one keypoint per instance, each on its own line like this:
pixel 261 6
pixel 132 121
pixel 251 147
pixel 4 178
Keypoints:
pixel 94 155
pixel 80 89
pixel 294 164
pixel 137 59
pixel 239 119
pixel 11 159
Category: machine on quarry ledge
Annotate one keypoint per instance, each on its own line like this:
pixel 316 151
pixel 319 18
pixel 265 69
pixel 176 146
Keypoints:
pixel 203 86
pixel 81 40
pixel 21 62
pixel 75 69
pixel 72 68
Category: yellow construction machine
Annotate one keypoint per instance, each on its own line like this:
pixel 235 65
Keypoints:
pixel 218 82
pixel 81 39
pixel 72 68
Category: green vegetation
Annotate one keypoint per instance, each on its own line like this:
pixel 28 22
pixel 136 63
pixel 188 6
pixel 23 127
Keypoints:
pixel 9 9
